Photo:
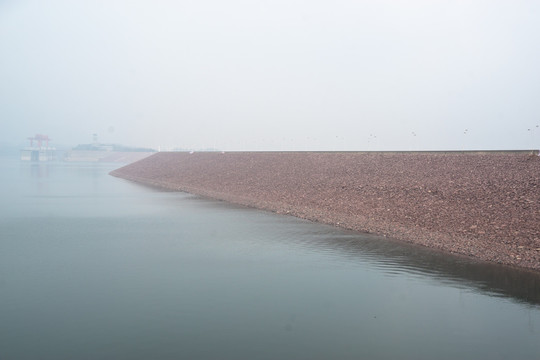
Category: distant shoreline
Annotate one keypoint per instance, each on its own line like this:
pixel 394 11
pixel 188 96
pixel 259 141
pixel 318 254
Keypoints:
pixel 483 204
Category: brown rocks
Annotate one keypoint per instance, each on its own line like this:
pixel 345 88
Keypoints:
pixel 485 205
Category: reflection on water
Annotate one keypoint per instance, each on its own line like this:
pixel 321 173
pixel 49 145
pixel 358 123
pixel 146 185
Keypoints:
pixel 38 170
pixel 395 258
pixel 96 267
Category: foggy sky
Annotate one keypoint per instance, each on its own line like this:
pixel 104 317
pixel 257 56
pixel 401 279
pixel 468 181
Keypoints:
pixel 272 75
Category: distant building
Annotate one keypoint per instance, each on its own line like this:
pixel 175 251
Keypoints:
pixel 40 152
pixel 97 151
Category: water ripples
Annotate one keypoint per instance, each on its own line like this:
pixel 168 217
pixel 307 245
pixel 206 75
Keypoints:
pixel 398 259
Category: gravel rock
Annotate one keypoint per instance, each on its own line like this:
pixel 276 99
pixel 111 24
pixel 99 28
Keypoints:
pixel 484 205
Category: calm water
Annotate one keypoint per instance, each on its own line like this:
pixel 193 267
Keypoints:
pixel 95 267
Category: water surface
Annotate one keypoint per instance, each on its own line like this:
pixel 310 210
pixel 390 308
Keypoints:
pixel 96 267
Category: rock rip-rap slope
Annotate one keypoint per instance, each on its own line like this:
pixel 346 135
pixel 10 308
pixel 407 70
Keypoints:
pixel 485 205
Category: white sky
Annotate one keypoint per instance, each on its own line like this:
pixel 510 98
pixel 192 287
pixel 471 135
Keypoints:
pixel 272 75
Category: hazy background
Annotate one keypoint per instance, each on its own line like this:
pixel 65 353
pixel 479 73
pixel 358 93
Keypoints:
pixel 272 75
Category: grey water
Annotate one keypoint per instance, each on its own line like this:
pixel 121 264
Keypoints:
pixel 96 267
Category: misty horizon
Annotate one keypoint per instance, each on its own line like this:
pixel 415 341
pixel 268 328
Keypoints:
pixel 292 75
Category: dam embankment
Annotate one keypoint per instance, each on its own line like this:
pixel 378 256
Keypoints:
pixel 480 204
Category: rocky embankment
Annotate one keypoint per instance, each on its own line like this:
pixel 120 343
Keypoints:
pixel 484 205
